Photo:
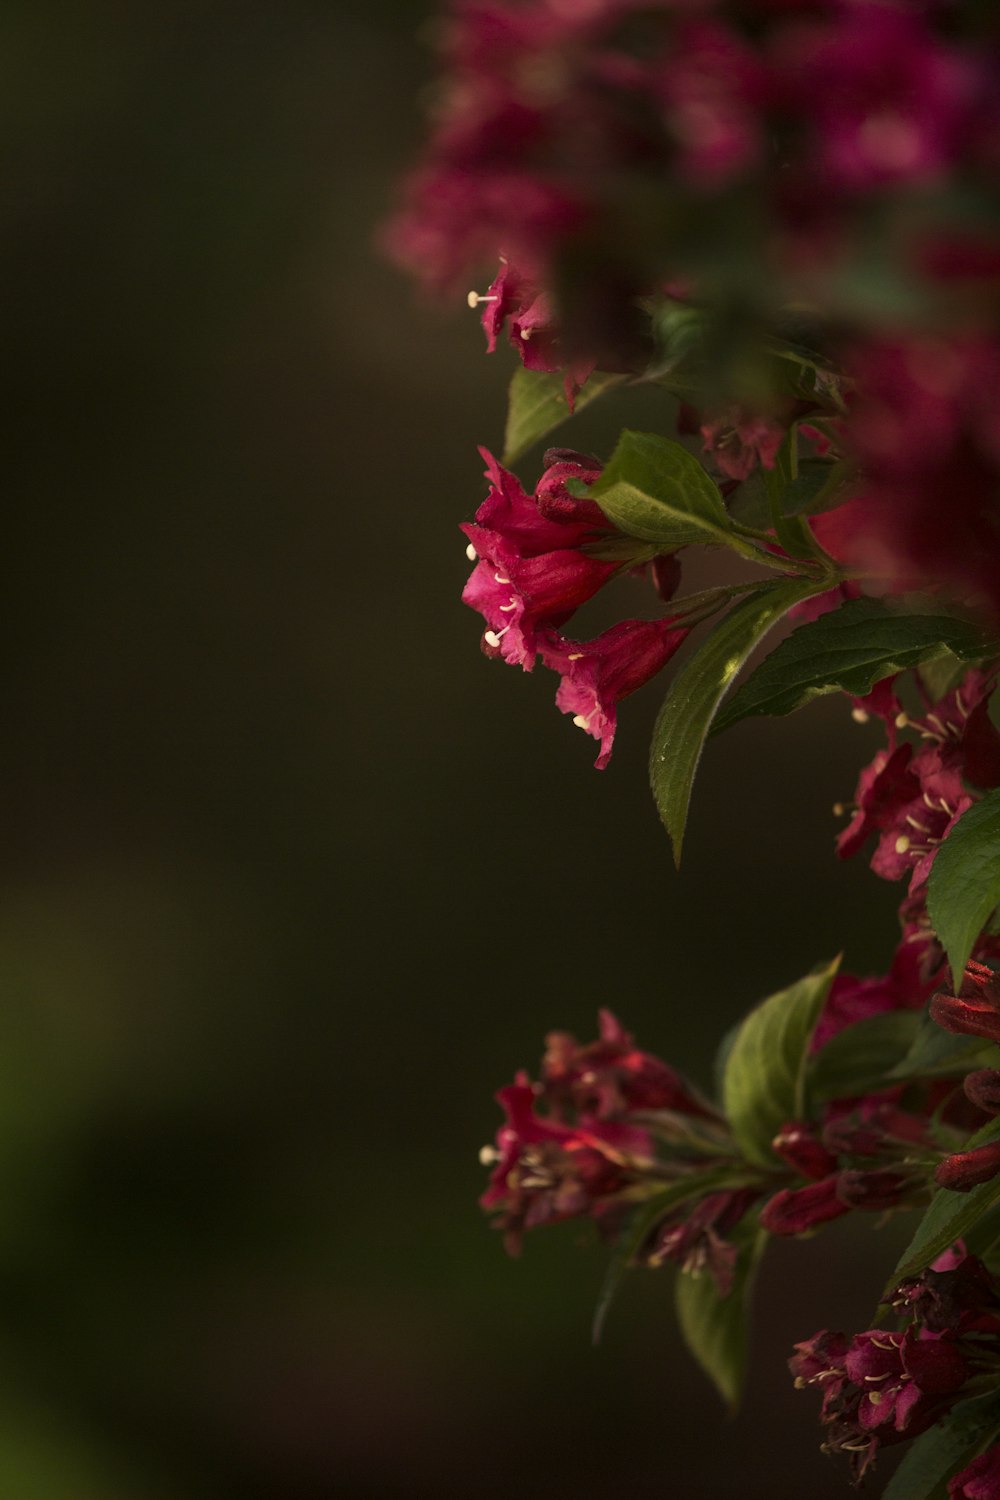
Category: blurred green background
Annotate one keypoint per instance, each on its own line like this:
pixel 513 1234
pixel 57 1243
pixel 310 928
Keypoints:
pixel 292 878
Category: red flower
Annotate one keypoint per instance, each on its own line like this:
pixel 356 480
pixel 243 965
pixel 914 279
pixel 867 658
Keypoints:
pixel 597 674
pixel 611 1077
pixel 530 571
pixel 546 1171
pixel 980 1481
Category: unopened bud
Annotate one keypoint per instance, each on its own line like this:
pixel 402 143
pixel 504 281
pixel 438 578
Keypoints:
pixel 881 1188
pixel 967 1169
pixel 801 1148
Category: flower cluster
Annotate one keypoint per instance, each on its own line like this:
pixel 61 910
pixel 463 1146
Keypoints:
pixel 911 796
pixel 885 1386
pixel 608 1126
pixel 605 148
pixel 782 219
pixel 537 559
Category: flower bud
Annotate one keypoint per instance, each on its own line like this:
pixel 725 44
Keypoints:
pixel 967 1169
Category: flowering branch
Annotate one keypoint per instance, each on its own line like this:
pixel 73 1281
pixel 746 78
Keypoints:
pixel 782 220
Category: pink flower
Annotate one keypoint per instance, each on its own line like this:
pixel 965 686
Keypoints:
pixel 980 1481
pixel 883 1386
pixel 696 1241
pixel 546 1171
pixel 597 674
pixel 904 987
pixel 610 1077
pixel 888 100
pixel 740 441
pixel 923 433
pixel 533 332
pixel 530 570
pixel 913 798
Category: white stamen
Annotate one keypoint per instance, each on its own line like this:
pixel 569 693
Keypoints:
pixel 488 1155
pixel 506 608
pixel 859 715
pixel 916 823
pixel 526 333
pixel 494 637
pixel 575 656
pixel 902 720
pixel 474 299
pixel 902 844
pixel 471 553
pixel 580 721
pixel 498 579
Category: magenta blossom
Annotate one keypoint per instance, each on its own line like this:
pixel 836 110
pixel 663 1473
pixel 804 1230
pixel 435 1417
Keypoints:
pixel 911 798
pixel 610 1077
pixel 740 441
pixel 512 297
pixel 530 570
pixel 880 1387
pixel 696 1239
pixel 597 674
pixel 905 987
pixel 980 1481
pixel 545 1171
pixel 887 99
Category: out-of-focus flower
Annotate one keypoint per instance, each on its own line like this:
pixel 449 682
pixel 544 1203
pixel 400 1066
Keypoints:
pixel 546 1171
pixel 611 1077
pixel 980 1480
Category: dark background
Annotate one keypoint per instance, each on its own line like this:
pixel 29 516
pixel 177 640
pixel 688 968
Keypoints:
pixel 293 879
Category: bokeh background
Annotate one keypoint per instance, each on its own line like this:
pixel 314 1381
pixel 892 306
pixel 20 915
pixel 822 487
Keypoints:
pixel 292 878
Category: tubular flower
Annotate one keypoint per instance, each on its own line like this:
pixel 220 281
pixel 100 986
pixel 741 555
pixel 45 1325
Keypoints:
pixel 597 674
pixel 530 571
pixel 697 1243
pixel 513 297
pixel 611 1077
pixel 545 1171
pixel 885 1386
pixel 912 798
pixel 975 1010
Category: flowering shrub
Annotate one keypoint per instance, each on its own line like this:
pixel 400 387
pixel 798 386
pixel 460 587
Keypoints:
pixel 783 219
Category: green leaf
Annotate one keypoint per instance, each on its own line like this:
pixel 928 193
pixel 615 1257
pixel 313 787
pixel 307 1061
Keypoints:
pixel 764 1083
pixel 860 1058
pixel 819 486
pixel 655 489
pixel 696 692
pixel 537 403
pixel 936 1053
pixel 949 1216
pixel 643 1221
pixel 953 1441
pixel 848 650
pixel 942 675
pixel 964 885
pixel 716 1329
